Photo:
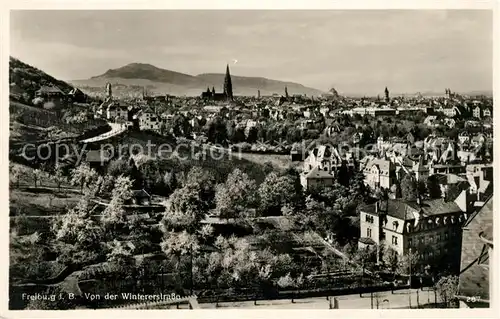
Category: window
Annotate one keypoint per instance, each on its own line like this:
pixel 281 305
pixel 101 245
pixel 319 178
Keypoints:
pixel 369 232
pixel 394 240
pixel 369 218
pixel 382 235
pixel 438 238
pixel 410 242
pixel 431 239
pixel 395 225
pixel 446 236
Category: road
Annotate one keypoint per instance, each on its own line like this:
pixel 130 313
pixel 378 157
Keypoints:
pixel 386 300
pixel 116 129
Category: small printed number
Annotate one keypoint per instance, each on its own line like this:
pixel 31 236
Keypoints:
pixel 473 299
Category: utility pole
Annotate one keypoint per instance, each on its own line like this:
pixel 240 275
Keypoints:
pixel 191 253
pixel 409 279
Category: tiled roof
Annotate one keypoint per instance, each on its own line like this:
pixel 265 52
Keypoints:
pixel 50 89
pixel 402 209
pixel 438 207
pixel 383 165
pixel 140 193
pixel 316 172
pixel 474 277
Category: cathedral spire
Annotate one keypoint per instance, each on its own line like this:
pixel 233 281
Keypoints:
pixel 228 86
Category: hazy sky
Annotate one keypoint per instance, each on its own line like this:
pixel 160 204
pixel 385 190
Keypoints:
pixel 354 51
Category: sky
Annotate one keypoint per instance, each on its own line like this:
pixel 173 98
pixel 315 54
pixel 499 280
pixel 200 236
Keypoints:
pixel 354 51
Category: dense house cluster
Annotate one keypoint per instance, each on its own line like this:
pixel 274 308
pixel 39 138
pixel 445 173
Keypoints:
pixel 444 227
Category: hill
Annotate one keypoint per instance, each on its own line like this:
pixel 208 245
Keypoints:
pixel 32 123
pixel 132 78
pixel 27 79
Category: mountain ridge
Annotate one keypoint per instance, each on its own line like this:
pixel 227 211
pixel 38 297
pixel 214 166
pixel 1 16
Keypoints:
pixel 161 80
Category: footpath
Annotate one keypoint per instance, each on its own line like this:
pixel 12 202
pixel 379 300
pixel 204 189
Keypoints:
pixel 382 300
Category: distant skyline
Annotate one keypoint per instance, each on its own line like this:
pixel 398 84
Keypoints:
pixel 354 51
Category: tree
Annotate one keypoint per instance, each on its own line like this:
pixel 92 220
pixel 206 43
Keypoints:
pixel 275 192
pixel 433 187
pixel 16 171
pixel 84 176
pixel 59 176
pixel 121 256
pixel 114 213
pixel 235 196
pixel 37 176
pixel 185 209
pixel 407 262
pixel 118 167
pixel 390 257
pixel 288 282
pixel 78 237
pixel 409 188
pixel 447 288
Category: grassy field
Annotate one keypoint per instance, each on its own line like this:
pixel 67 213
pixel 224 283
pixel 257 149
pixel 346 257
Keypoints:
pixel 181 159
pixel 41 202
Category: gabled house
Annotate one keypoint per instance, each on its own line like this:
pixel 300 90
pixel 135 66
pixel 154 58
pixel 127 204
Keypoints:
pixel 139 197
pixel 379 173
pixel 117 111
pixel 50 92
pixel 320 166
pixel 148 119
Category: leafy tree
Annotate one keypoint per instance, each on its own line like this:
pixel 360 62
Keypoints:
pixel 433 187
pixel 390 257
pixel 409 188
pixel 59 176
pixel 185 209
pixel 78 237
pixel 84 176
pixel 121 256
pixel 118 167
pixel 16 171
pixel 275 192
pixel 234 196
pixel 407 263
pixel 288 282
pixel 37 176
pixel 447 288
pixel 114 213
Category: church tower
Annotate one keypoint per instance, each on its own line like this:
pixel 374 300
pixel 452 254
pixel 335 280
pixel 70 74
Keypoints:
pixel 228 86
pixel 386 95
pixel 286 92
pixel 109 92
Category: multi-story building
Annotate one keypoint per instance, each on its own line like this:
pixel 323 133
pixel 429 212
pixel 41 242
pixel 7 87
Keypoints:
pixel 379 173
pixel 117 111
pixel 148 119
pixel 479 112
pixel 429 229
pixel 321 166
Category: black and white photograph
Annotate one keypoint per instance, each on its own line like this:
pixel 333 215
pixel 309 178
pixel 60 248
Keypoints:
pixel 250 159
